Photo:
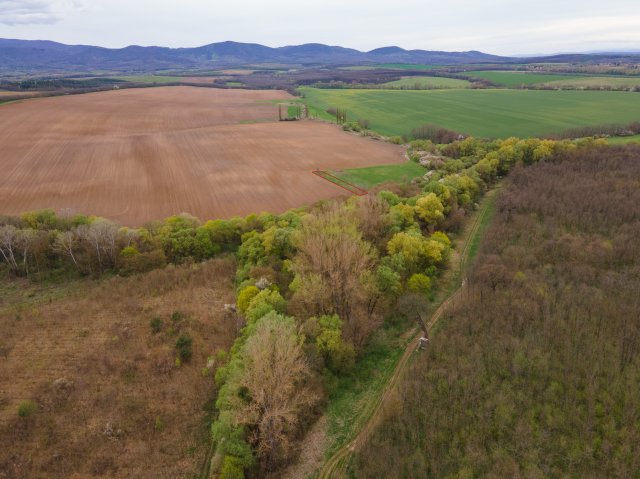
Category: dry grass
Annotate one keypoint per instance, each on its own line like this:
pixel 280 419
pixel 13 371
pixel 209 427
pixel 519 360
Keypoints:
pixel 111 401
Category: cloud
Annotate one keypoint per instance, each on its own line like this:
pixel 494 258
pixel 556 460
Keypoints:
pixel 35 12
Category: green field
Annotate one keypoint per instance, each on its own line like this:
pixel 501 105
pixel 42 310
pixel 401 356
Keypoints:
pixel 150 79
pixel 491 113
pixel 426 83
pixel 595 82
pixel 513 79
pixel 374 175
pixel 623 140
pixel 407 66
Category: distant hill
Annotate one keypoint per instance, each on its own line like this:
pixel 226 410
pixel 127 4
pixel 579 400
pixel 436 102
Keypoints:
pixel 601 57
pixel 40 56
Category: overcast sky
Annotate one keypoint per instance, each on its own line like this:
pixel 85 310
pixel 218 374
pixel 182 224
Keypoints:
pixel 495 26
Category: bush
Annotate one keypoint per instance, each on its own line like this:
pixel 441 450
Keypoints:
pixel 132 263
pixel 232 468
pixel 183 345
pixel 176 316
pixel 245 296
pixel 155 324
pixel 27 408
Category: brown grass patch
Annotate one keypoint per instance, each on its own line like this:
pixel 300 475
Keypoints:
pixel 111 401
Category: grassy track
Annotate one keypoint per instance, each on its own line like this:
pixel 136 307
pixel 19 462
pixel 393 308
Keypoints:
pixel 513 79
pixel 494 113
pixel 374 175
pixel 338 463
pixel 425 83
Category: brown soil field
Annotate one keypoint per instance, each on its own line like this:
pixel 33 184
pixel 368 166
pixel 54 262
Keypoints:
pixel 110 399
pixel 143 154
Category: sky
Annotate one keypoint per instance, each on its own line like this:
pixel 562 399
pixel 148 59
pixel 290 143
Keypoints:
pixel 504 27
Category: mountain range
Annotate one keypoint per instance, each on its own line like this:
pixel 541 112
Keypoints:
pixel 47 56
pixel 39 55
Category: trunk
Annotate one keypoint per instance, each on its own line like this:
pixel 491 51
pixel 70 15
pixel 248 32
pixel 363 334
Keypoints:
pixel 422 324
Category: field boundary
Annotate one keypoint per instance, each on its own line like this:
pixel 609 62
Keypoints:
pixel 350 187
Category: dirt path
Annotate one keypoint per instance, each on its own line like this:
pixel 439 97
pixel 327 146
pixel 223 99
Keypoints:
pixel 335 467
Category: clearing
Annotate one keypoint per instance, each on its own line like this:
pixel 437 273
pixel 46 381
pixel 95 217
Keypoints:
pixel 493 113
pixel 142 154
pixel 426 83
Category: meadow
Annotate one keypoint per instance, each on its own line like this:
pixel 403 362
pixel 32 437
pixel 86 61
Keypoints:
pixel 426 83
pixel 595 82
pixel 492 113
pixel 514 78
pixel 623 140
pixel 375 175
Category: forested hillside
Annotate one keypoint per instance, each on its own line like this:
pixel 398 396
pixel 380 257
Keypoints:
pixel 536 372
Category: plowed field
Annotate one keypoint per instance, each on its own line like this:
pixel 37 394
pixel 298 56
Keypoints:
pixel 144 154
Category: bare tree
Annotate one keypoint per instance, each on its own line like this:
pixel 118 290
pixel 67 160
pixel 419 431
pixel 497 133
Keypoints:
pixel 8 245
pixel 65 243
pixel 273 385
pixel 332 267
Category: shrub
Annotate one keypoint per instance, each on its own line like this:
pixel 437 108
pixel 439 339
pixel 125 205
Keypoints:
pixel 436 134
pixel 245 296
pixel 232 468
pixel 364 124
pixel 176 316
pixel 132 263
pixel 26 408
pixel 159 424
pixel 183 345
pixel 155 324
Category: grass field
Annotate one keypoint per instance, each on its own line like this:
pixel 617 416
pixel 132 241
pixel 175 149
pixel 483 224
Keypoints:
pixel 595 82
pixel 490 113
pixel 426 83
pixel 407 66
pixel 623 140
pixel 514 79
pixel 374 175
